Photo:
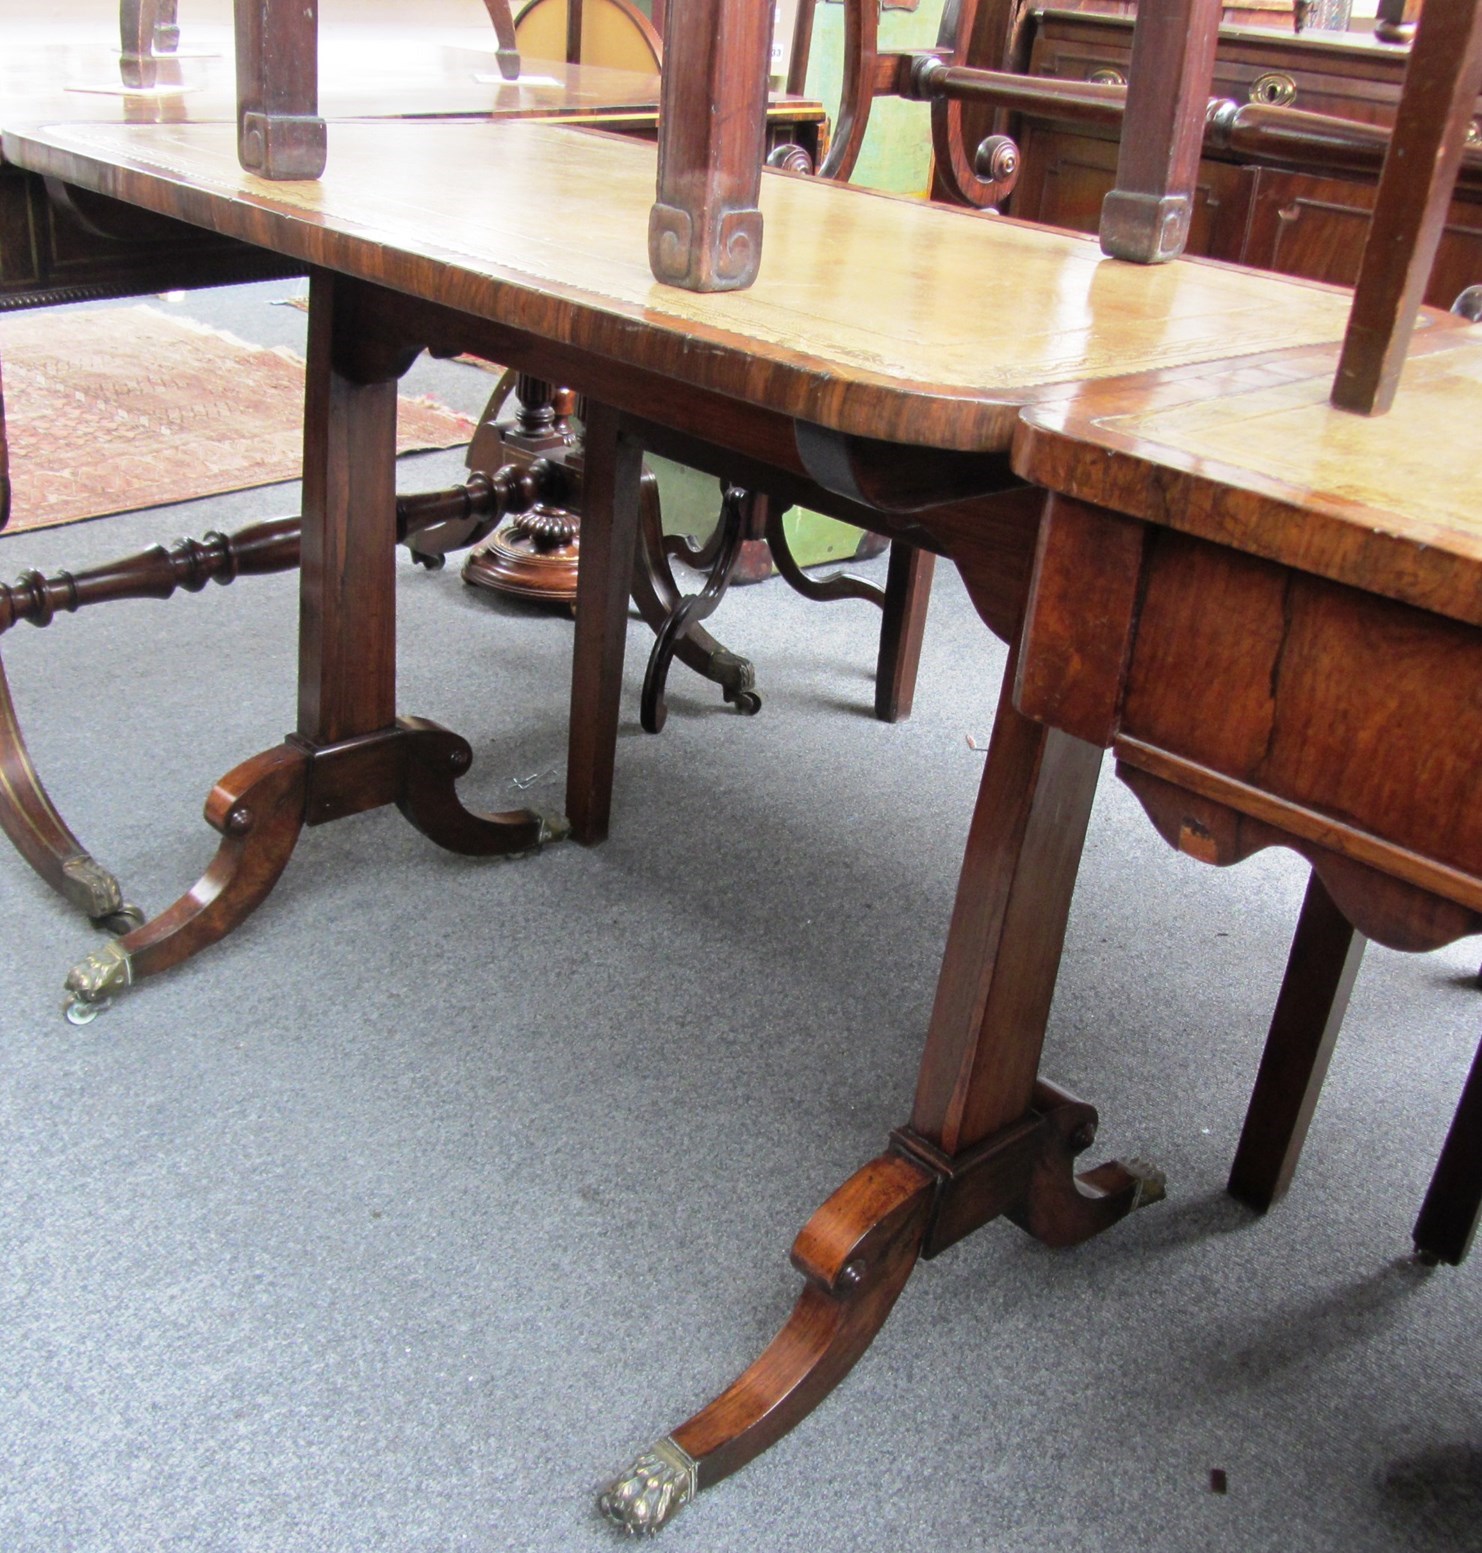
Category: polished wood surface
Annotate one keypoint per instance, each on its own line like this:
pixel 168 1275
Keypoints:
pixel 1256 458
pixel 938 369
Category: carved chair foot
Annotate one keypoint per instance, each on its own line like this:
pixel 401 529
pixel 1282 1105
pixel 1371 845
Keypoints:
pixel 855 1253
pixel 736 677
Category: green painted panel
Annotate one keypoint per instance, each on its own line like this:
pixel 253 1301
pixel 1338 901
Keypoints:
pixel 896 154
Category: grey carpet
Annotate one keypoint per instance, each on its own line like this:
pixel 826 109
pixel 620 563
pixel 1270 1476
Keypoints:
pixel 405 1215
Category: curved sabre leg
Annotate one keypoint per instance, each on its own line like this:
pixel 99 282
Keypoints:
pixel 42 837
pixel 658 599
pixel 684 620
pixel 856 1254
pixel 259 810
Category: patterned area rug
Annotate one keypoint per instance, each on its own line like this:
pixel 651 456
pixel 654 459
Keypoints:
pixel 119 408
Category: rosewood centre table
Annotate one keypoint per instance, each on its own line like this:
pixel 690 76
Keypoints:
pixel 895 417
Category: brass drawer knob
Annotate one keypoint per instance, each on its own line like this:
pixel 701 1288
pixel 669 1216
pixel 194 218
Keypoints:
pixel 1107 76
pixel 1275 89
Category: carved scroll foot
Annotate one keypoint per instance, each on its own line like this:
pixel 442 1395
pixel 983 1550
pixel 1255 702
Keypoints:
pixel 435 758
pixel 1062 1208
pixel 856 1254
pixel 258 808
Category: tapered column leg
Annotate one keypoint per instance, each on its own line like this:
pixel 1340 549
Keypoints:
pixel 1007 930
pixel 609 536
pixel 1320 973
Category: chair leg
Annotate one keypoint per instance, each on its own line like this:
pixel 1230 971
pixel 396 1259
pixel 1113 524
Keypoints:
pixel 508 53
pixel 138 21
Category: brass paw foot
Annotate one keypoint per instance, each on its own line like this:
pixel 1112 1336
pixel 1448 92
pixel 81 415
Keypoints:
pixel 652 1491
pixel 92 982
pixel 553 828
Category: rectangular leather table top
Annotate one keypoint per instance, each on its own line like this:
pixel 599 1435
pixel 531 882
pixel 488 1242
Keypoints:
pixel 873 315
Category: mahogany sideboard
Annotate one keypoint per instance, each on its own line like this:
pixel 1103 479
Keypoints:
pixel 1297 223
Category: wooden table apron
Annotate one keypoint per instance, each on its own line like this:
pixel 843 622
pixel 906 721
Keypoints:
pixel 858 436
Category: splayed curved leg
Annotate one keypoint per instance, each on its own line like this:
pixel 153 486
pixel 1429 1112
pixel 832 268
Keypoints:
pixel 675 617
pixel 42 837
pixel 856 1253
pixel 434 760
pixel 259 810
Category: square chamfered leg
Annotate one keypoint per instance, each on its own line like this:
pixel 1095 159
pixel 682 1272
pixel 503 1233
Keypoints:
pixel 279 131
